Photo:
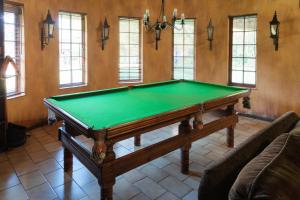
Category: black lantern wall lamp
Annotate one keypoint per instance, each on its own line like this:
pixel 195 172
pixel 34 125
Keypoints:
pixel 161 22
pixel 47 31
pixel 104 33
pixel 274 30
pixel 210 33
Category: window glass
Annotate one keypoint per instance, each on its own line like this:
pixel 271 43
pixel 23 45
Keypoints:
pixel 130 69
pixel 184 50
pixel 71 49
pixel 243 50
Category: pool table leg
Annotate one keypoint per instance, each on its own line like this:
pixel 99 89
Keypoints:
pixel 230 136
pixel 107 177
pixel 68 156
pixel 230 129
pixel 68 160
pixel 137 140
pixel 185 129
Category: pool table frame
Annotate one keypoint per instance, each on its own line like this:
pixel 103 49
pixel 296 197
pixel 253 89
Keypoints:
pixel 111 167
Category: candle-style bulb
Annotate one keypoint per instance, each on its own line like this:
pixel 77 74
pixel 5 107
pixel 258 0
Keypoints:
pixel 175 12
pixel 164 18
pixel 182 16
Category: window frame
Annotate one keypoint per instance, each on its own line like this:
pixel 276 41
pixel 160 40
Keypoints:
pixel 195 47
pixel 84 50
pixel 18 62
pixel 130 81
pixel 253 86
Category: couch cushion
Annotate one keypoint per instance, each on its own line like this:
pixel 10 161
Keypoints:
pixel 297 127
pixel 272 175
pixel 242 186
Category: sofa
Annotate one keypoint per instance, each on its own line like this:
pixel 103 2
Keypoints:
pixel 266 166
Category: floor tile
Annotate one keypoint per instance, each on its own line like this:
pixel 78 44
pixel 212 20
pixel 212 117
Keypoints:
pixel 191 196
pixel 39 156
pixel 14 193
pixel 77 165
pixel 92 189
pixel 83 176
pixel 133 176
pixel 32 148
pixel 57 178
pixel 160 162
pixel 25 167
pixel 42 192
pixel 32 179
pixel 48 166
pixel 53 146
pixel 154 172
pixel 58 155
pixel 150 188
pixel 8 180
pixel 46 139
pixel 86 198
pixel 175 186
pixel 6 168
pixel 70 190
pixel 193 182
pixel 125 190
pixel 140 196
pixel 21 156
pixel 174 170
pixel 168 196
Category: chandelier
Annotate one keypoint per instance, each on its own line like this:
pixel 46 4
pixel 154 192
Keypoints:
pixel 162 22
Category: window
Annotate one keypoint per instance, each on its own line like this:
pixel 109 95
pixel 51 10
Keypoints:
pixel 243 51
pixel 130 69
pixel 184 50
pixel 72 49
pixel 14 49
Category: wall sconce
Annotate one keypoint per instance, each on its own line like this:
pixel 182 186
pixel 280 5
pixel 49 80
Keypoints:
pixel 104 33
pixel 210 33
pixel 157 35
pixel 47 30
pixel 274 30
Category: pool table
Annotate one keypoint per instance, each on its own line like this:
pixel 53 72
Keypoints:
pixel 112 115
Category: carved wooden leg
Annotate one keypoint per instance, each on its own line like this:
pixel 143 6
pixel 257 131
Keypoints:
pixel 185 159
pixel 106 192
pixel 185 129
pixel 198 122
pixel 68 160
pixel 107 177
pixel 230 129
pixel 137 140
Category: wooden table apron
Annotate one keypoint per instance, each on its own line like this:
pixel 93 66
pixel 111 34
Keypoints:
pixel 113 167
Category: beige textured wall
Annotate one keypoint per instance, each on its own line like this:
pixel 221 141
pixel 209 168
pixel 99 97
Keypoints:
pixel 278 72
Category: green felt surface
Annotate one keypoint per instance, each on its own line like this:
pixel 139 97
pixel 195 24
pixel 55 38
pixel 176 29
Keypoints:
pixel 108 108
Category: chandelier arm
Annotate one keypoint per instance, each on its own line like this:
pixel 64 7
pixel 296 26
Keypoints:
pixel 162 10
pixel 174 27
pixel 171 25
pixel 151 27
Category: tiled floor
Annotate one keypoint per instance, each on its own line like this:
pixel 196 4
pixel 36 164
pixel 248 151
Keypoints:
pixel 35 171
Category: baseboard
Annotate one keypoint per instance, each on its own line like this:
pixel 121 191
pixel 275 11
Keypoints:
pixel 43 122
pixel 268 119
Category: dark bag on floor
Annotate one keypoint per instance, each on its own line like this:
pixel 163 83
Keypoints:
pixel 16 135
